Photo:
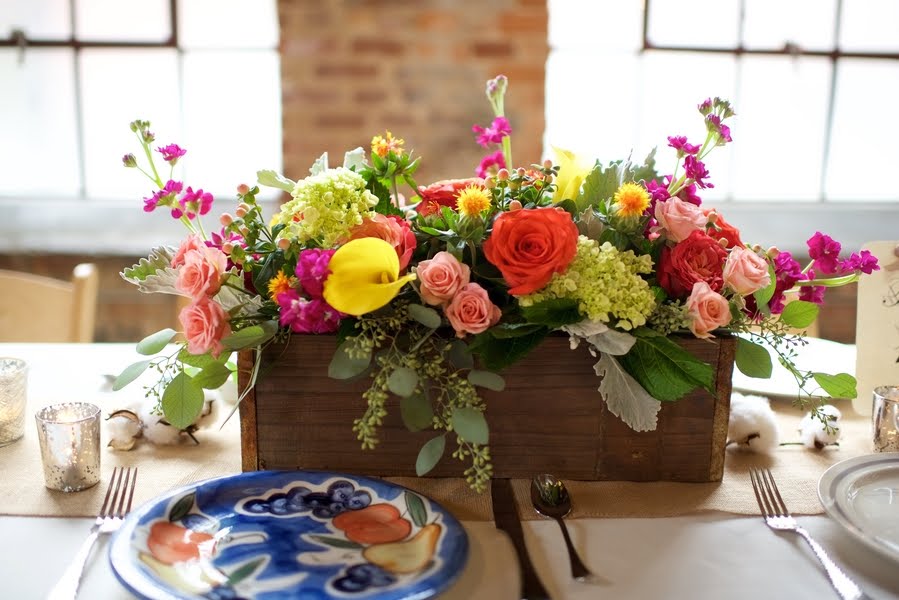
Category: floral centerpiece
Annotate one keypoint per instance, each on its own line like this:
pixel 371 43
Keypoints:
pixel 431 294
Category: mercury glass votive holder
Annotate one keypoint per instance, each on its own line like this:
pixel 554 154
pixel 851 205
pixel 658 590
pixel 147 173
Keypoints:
pixel 885 418
pixel 13 397
pixel 69 435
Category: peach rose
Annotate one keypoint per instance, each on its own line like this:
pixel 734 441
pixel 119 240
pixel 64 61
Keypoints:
pixel 190 243
pixel 205 323
pixel 528 246
pixel 678 219
pixel 708 310
pixel 201 273
pixel 443 193
pixel 441 278
pixel 471 310
pixel 393 230
pixel 745 271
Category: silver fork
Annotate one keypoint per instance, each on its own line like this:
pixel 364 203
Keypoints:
pixel 116 505
pixel 776 515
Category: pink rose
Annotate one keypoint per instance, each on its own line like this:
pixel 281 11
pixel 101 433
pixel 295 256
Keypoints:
pixel 393 230
pixel 205 323
pixel 441 278
pixel 708 310
pixel 678 219
pixel 201 273
pixel 471 310
pixel 191 243
pixel 745 271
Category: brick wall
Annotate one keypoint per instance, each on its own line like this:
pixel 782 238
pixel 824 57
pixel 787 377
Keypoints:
pixel 353 68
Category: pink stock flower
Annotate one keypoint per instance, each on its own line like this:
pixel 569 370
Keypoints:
pixel 171 153
pixel 708 310
pixel 695 170
pixel 163 197
pixel 471 311
pixel 192 203
pixel 678 219
pixel 491 164
pixel 680 144
pixel 307 315
pixel 201 273
pixel 393 230
pixel 312 270
pixel 493 134
pixel 205 324
pixel 825 251
pixel 441 278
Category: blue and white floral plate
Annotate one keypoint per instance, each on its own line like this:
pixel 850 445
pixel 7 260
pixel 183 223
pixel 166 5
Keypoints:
pixel 289 534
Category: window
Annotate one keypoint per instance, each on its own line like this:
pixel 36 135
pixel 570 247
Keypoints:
pixel 77 72
pixel 812 82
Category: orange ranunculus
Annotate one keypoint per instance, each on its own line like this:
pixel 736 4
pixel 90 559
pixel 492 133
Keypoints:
pixel 724 230
pixel 392 229
pixel 528 246
pixel 443 193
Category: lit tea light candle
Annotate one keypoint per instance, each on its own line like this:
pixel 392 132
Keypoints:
pixel 13 397
pixel 69 435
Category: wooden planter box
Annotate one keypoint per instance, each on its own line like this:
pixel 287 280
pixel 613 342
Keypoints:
pixel 550 418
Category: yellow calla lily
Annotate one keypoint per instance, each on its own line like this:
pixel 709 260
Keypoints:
pixel 365 275
pixel 572 172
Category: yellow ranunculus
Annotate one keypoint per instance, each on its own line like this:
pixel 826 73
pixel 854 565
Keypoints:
pixel 365 275
pixel 572 172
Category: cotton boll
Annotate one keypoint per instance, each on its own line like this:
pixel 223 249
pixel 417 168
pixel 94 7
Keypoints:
pixel 123 427
pixel 812 431
pixel 752 425
pixel 156 429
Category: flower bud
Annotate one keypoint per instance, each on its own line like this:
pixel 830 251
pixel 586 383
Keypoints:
pixel 773 252
pixel 520 171
pixel 547 164
pixel 515 205
pixel 490 182
pixel 227 248
pixel 712 217
pixel 241 211
pixel 283 244
pixel 226 219
pixel 242 189
pixel 503 174
pixel 129 160
pixel 245 231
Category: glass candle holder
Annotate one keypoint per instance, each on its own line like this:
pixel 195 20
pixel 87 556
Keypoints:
pixel 13 397
pixel 885 418
pixel 69 435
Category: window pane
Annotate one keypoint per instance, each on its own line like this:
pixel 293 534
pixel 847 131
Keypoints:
pixel 783 107
pixel 574 23
pixel 672 109
pixel 232 115
pixel 40 19
pixel 37 117
pixel 238 24
pixel 770 24
pixel 120 86
pixel 869 25
pixel 696 23
pixel 863 144
pixel 146 21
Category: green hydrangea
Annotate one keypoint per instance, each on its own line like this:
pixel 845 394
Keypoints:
pixel 606 284
pixel 330 204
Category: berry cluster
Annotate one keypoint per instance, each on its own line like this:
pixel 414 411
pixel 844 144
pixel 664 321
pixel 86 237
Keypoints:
pixel 360 577
pixel 340 496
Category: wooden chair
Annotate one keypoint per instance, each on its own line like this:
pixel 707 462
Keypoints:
pixel 34 308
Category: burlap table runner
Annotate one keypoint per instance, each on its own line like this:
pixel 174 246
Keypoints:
pixel 163 468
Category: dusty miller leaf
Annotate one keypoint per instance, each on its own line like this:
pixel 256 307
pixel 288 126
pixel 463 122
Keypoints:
pixel 270 178
pixel 154 274
pixel 626 398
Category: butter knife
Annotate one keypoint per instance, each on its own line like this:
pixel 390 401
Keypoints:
pixel 505 514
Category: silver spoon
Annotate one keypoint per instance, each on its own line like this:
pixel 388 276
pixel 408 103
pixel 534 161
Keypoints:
pixel 550 497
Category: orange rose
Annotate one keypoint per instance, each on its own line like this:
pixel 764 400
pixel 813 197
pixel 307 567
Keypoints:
pixel 443 193
pixel 528 246
pixel 723 229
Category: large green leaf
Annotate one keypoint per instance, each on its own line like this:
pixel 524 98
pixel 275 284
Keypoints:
pixel 131 372
pixel 428 317
pixel 471 425
pixel 753 360
pixel 402 381
pixel 665 370
pixel 841 385
pixel 201 361
pixel 343 366
pixel 486 379
pixel 416 411
pixel 459 355
pixel 764 295
pixel 156 342
pixel 799 314
pixel 249 337
pixel 213 376
pixel 497 354
pixel 182 401
pixel 553 313
pixel 599 185
pixel 430 454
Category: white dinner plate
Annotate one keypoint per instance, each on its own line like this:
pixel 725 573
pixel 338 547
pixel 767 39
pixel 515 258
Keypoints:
pixel 862 495
pixel 818 355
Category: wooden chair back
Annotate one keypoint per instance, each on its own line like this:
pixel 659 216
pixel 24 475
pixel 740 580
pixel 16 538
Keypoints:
pixel 34 308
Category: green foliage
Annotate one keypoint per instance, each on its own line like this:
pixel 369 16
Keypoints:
pixel 841 385
pixel 182 401
pixel 665 370
pixel 416 412
pixel 752 359
pixel 552 313
pixel 345 365
pixel 496 350
pixel 471 425
pixel 156 342
pixel 487 379
pixel 430 454
pixel 251 336
pixel 131 372
pixel 799 314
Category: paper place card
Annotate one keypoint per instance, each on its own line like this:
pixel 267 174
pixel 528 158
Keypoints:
pixel 877 326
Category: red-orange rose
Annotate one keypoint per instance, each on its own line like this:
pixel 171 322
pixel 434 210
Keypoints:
pixel 528 246
pixel 443 193
pixel 697 258
pixel 723 229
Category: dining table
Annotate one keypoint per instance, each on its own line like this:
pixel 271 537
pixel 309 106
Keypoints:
pixel 641 540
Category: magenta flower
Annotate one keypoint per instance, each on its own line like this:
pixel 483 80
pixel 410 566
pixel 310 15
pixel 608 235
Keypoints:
pixel 494 134
pixel 695 170
pixel 171 153
pixel 705 107
pixel 192 203
pixel 680 144
pixel 495 161
pixel 825 251
pixel 163 197
pixel 864 262
pixel 812 293
pixel 312 270
pixel 713 123
pixel 307 316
